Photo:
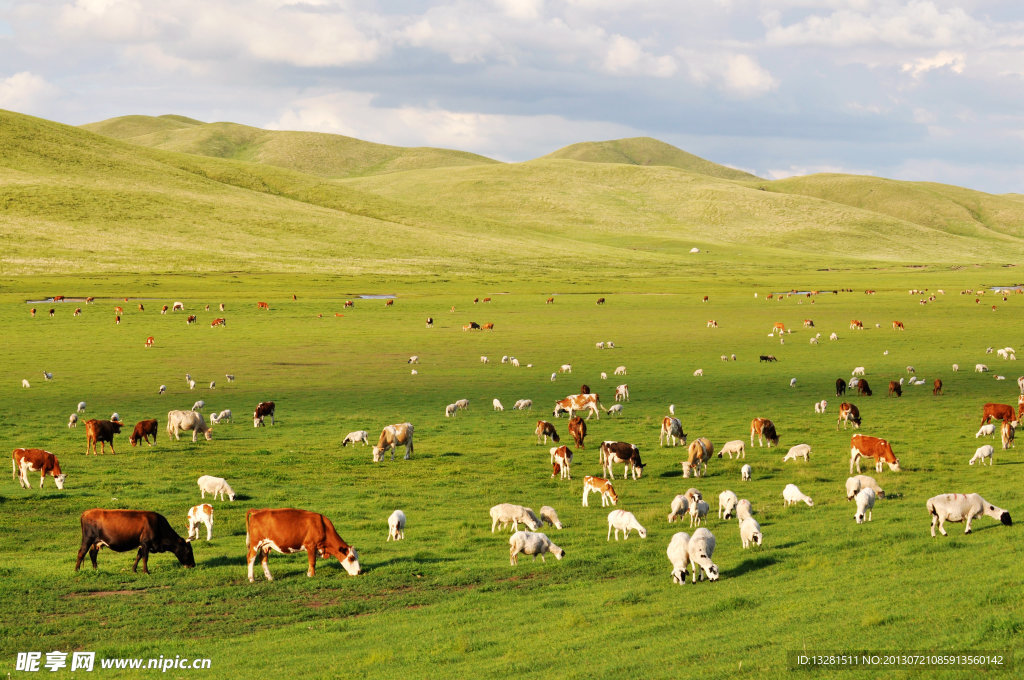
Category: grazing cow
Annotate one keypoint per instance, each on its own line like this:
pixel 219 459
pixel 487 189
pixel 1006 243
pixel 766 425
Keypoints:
pixel 78 311
pixel 585 389
pixel 149 341
pixel 959 507
pixel 599 486
pixel 218 322
pixel 390 438
pixel 1007 433
pixel 561 461
pixel 487 327
pixel 349 303
pixel 862 446
pixel 622 392
pixel 183 421
pixel 389 303
pixel 808 323
pixel 199 514
pixel 863 388
pixel 123 530
pixel 549 301
pixel 698 454
pixel 765 428
pixel 937 389
pixel 848 413
pixel 578 430
pixel 897 325
pixel 262 305
pixel 712 323
pixel 52 312
pixel 600 301
pixel 546 429
pixel 144 429
pixel 142 309
pixel 768 357
pixel 672 432
pixel 163 310
pixel 705 299
pixel 178 307
pixel 288 530
pixel 190 320
pixel 621 452
pixel 101 431
pixel 895 388
pixel 856 325
pixel 24 461
pixel 997 412
pixel 579 402
pixel 471 326
pixel 118 310
pixel 263 409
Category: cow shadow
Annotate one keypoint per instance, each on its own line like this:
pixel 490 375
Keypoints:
pixel 451 454
pixel 671 473
pixel 223 561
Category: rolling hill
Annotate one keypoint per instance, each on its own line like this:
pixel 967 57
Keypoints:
pixel 646 152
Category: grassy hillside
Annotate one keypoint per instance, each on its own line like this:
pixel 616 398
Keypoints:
pixel 646 151
pixel 324 155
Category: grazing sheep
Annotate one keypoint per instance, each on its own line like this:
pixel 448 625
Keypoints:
pixel 215 485
pixel 462 404
pixel 614 409
pixel 604 376
pixel 792 382
pixel 484 360
pixel 523 405
pixel 798 451
pixel 450 410
pixel 191 384
pixel 865 502
pixel 724 357
pixel 553 376
pixel 621 370
pixel 548 515
pixel 25 383
pixel 750 532
pixel 858 482
pixel 735 446
pixel 229 376
pixel 115 416
pixel 163 388
pixel 414 359
pixel 624 521
pixel 699 373
pixel 700 549
pixel 396 526
pixel 858 371
pixel 743 510
pixel 986 430
pixel 73 420
pixel 414 372
pixel 980 368
pixel 200 514
pixel 199 405
pixel 727 501
pixel 745 473
pixel 529 543
pixel 81 407
pixel 47 375
pixel 504 359
pixel 679 556
pixel 820 406
pixel 794 495
pixel 680 507
pixel 833 337
pixel 608 344
pixel 699 513
pixel 357 436
pixel 958 507
pixel 565 368
pixel 223 416
pixel 814 341
pixel 515 363
pixel 497 405
pixel 507 513
pixel 956 368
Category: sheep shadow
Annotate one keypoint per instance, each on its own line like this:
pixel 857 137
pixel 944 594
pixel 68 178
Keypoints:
pixel 760 562
pixel 791 544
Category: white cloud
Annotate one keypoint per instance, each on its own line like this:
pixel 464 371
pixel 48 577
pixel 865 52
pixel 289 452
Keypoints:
pixel 521 9
pixel 745 77
pixel 25 92
pixel 626 57
pixel 954 61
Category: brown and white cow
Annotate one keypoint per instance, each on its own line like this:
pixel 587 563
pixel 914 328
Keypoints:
pixel 779 326
pixel 856 325
pixel 123 530
pixel 561 461
pixel 671 432
pixel 997 412
pixel 101 431
pixel 288 530
pixel 24 461
pixel 144 429
pixel 698 454
pixel 391 437
pixel 263 409
pixel 895 388
pixel 579 402
pixel 262 305
pixel 1006 434
pixel 848 413
pixel 545 430
pixel 578 430
pixel 149 341
pixel 765 428
pixel 808 323
pixel 199 514
pixel 863 446
pixel 621 452
pixel 897 325
pixel 220 321
pixel 471 326
pixel 600 486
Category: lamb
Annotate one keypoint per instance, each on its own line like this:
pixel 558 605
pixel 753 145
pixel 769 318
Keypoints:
pixel 679 556
pixel 735 446
pixel 700 548
pixel 163 388
pixel 958 507
pixel 497 404
pixel 548 515
pixel 81 407
pixel 217 418
pixel 855 484
pixel 515 362
pixel 982 453
pixel 484 359
pixel 357 436
pixel 750 532
pixel 450 410
pixel 699 513
pixel 727 501
pixel 215 485
pixel 680 507
pixel 798 451
pixel 792 382
pixel 621 370
pixel 530 543
pixel 986 430
pixel 699 373
pixel 624 521
pixel 414 372
pixel 396 526
pixel 858 371
pixel 794 495
pixel 743 510
pixel 523 405
pixel 980 368
pixel 565 368
pixel 508 513
pixel 745 473
pixel 819 406
pixel 200 514
pixel 73 420
pixel 25 383
pixel 865 502
pixel 414 359
pixel 614 409
pixel 833 337
pixel 604 376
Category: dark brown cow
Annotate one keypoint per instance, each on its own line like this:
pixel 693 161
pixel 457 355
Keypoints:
pixel 288 530
pixel 52 312
pixel 389 303
pixel 766 428
pixel 123 530
pixel 584 389
pixel 621 452
pixel 33 312
pixel 163 310
pixel 578 430
pixel 545 430
pixel 937 389
pixel 190 320
pixel 349 303
pixel 997 411
pixel 840 387
pixel 101 431
pixel 600 301
pixel 24 461
pixel 263 409
pixel 863 388
pixel 142 309
pixel 895 388
pixel 862 446
pixel 144 429
pixel 848 413
pixel 768 357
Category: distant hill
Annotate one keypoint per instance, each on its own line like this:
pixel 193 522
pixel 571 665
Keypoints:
pixel 646 151
pixel 314 153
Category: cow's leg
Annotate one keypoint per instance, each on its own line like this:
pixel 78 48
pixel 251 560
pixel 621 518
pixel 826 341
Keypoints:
pixel 263 563
pixel 138 556
pixel 86 547
pixel 312 561
pixel 586 492
pixel 209 529
pixel 250 560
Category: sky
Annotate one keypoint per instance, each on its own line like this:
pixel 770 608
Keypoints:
pixel 927 90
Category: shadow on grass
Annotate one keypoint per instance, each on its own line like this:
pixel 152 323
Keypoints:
pixel 223 561
pixel 419 559
pixel 672 473
pixel 451 454
pixel 783 546
pixel 754 564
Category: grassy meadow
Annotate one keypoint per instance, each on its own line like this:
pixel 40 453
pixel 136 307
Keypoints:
pixel 445 602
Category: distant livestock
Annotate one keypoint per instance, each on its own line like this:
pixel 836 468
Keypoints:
pixel 396 526
pixel 101 431
pixel 357 436
pixel 391 437
pixel 215 485
pixel 183 421
pixel 263 409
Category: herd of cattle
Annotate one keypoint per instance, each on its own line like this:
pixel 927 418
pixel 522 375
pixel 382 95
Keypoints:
pixel 289 530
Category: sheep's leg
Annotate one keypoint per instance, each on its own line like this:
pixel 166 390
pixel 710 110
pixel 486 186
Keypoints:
pixel 967 529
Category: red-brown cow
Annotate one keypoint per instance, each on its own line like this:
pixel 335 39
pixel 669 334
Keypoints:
pixel 937 389
pixel 389 303
pixel 263 409
pixel 262 305
pixel 578 430
pixel 24 461
pixel 149 341
pixel 101 431
pixel 123 530
pixel 766 428
pixel 144 429
pixel 488 327
pixel 895 388
pixel 190 320
pixel 997 411
pixel 545 430
pixel 288 530
pixel 862 446
pixel 863 388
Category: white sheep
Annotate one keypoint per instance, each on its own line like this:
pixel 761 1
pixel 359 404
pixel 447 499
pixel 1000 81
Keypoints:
pixel 792 382
pixel 414 359
pixel 505 514
pixel 865 502
pixel 199 405
pixel 200 514
pixel 698 373
pixel 743 510
pixel 858 482
pixel 621 370
pixel 25 383
pixel 81 407
pixel 215 485
pixel 450 410
pixel 515 363
pixel 462 404
pixel 553 377
pixel 504 359
pixel 624 521
pixel 614 409
pixel 497 404
pixel 229 376
pixel 798 451
pixel 599 345
pixel 604 376
pixel 750 532
pixel 357 436
pixel 700 548
pixel 213 384
pixel 414 372
pixel 814 341
pixel 163 388
pixel 833 337
pixel 980 368
pixel 529 543
pixel 548 515
pixel 191 384
pixel 982 453
pixel 679 556
pixel 859 370
pixel 727 501
pixel 956 368
pixel 699 513
pixel 820 406
pixel 794 495
pixel 745 473
pixel 223 416
pixel 523 405
pixel 565 368
pixel 958 507
pixel 396 526
pixel 73 420
pixel 985 430
pixel 484 360
pixel 680 507
pixel 608 344
pixel 735 446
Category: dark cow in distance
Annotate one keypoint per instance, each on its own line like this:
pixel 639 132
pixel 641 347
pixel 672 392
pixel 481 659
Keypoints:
pixel 895 388
pixel 840 387
pixel 123 530
pixel 101 431
pixel 144 429
pixel 863 388
pixel 288 530
pixel 263 409
pixel 578 430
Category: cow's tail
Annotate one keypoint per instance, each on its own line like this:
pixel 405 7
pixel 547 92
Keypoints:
pixel 248 517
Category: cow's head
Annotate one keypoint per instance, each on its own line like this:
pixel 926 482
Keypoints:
pixel 257 419
pixel 349 559
pixel 59 480
pixel 208 433
pixel 183 551
pixel 895 465
pixel 377 456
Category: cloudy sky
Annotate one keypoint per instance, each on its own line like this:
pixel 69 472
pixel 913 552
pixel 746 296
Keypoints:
pixel 918 90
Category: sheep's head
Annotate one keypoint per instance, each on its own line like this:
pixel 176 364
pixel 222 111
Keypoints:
pixel 557 552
